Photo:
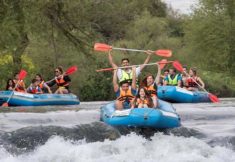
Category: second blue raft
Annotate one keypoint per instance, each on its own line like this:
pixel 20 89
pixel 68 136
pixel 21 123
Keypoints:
pixel 26 99
pixel 180 95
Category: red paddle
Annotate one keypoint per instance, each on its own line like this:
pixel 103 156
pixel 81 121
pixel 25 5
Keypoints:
pixel 179 67
pixel 22 75
pixel 162 62
pixel 105 48
pixel 71 70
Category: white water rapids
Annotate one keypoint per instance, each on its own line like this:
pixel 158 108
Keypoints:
pixel 215 124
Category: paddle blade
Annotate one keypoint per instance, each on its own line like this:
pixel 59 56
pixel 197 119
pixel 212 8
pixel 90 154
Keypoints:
pixel 102 47
pixel 213 98
pixel 162 63
pixel 5 104
pixel 22 74
pixel 71 70
pixel 178 66
pixel 164 53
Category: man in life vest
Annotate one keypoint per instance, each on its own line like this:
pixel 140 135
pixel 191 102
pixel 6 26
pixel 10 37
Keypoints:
pixel 194 81
pixel 34 87
pixel 44 87
pixel 126 74
pixel 173 79
pixel 61 80
pixel 125 93
pixel 20 85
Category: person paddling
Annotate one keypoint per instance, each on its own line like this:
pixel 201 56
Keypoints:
pixel 126 74
pixel 173 79
pixel 44 87
pixel 125 93
pixel 61 80
pixel 34 87
pixel 193 80
pixel 150 84
pixel 20 87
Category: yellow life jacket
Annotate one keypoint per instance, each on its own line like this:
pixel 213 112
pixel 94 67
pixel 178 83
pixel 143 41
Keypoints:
pixel 126 76
pixel 173 82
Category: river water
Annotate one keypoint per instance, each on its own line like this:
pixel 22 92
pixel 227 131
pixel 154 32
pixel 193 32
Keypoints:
pixel 74 134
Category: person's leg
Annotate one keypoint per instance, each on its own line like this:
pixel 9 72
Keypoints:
pixel 57 91
pixel 119 105
pixel 64 91
pixel 154 98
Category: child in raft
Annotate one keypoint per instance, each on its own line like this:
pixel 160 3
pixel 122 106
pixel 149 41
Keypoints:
pixel 34 87
pixel 143 99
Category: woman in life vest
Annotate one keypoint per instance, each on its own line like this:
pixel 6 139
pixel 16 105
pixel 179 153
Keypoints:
pixel 10 85
pixel 143 99
pixel 20 85
pixel 44 87
pixel 61 80
pixel 150 84
pixel 193 80
pixel 125 93
pixel 34 87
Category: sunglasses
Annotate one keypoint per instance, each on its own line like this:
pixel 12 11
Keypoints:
pixel 56 71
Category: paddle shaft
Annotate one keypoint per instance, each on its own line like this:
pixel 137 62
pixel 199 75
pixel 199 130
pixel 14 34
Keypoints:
pixel 124 67
pixel 129 49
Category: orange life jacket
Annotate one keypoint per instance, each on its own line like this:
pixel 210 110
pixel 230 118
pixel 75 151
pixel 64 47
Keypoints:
pixel 126 96
pixel 143 102
pixel 34 90
pixel 20 86
pixel 41 84
pixel 61 82
pixel 151 90
pixel 191 82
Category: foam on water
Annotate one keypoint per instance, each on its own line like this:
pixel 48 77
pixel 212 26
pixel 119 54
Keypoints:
pixel 128 148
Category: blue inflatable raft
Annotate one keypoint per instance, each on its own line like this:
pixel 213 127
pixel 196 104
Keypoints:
pixel 163 117
pixel 26 99
pixel 181 95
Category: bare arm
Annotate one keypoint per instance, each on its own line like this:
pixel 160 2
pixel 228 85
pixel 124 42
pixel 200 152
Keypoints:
pixel 133 84
pixel 165 82
pixel 111 61
pixel 201 82
pixel 157 79
pixel 179 83
pixel 146 60
pixel 115 84
pixel 48 88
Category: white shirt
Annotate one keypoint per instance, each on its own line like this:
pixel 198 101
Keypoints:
pixel 119 72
